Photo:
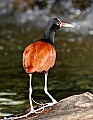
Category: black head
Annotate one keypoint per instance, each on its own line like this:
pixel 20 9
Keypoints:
pixel 53 24
pixel 51 27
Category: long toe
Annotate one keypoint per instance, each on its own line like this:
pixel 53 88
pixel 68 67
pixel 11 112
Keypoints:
pixel 37 102
pixel 22 116
pixel 51 104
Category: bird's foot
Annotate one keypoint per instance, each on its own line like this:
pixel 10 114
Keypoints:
pixel 51 104
pixel 32 111
pixel 37 102
pixel 54 101
pixel 37 111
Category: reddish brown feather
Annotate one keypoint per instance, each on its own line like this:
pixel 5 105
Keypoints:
pixel 39 56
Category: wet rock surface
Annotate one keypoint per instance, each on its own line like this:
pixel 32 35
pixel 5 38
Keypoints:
pixel 76 107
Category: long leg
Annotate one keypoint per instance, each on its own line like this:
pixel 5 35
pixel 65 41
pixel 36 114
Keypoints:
pixel 30 99
pixel 30 94
pixel 46 91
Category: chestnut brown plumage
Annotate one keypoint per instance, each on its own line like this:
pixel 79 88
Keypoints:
pixel 43 58
pixel 40 56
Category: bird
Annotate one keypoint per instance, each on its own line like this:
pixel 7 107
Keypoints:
pixel 40 56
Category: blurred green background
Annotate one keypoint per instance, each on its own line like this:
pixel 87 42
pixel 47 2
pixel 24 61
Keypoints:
pixel 21 23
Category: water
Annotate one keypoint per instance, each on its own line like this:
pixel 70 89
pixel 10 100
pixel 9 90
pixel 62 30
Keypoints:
pixel 77 12
pixel 20 25
pixel 72 73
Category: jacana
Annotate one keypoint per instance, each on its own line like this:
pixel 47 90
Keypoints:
pixel 40 56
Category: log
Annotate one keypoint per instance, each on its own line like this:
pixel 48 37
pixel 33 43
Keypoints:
pixel 76 107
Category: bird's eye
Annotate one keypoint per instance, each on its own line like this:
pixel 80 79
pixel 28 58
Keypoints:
pixel 58 23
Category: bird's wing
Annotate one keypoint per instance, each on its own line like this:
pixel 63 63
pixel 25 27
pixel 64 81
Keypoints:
pixel 28 56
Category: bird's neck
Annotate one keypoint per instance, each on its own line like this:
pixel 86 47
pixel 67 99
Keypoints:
pixel 49 36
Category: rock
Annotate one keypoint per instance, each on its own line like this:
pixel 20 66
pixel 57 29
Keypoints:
pixel 76 107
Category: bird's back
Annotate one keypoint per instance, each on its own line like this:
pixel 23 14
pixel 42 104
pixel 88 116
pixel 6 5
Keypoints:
pixel 38 57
